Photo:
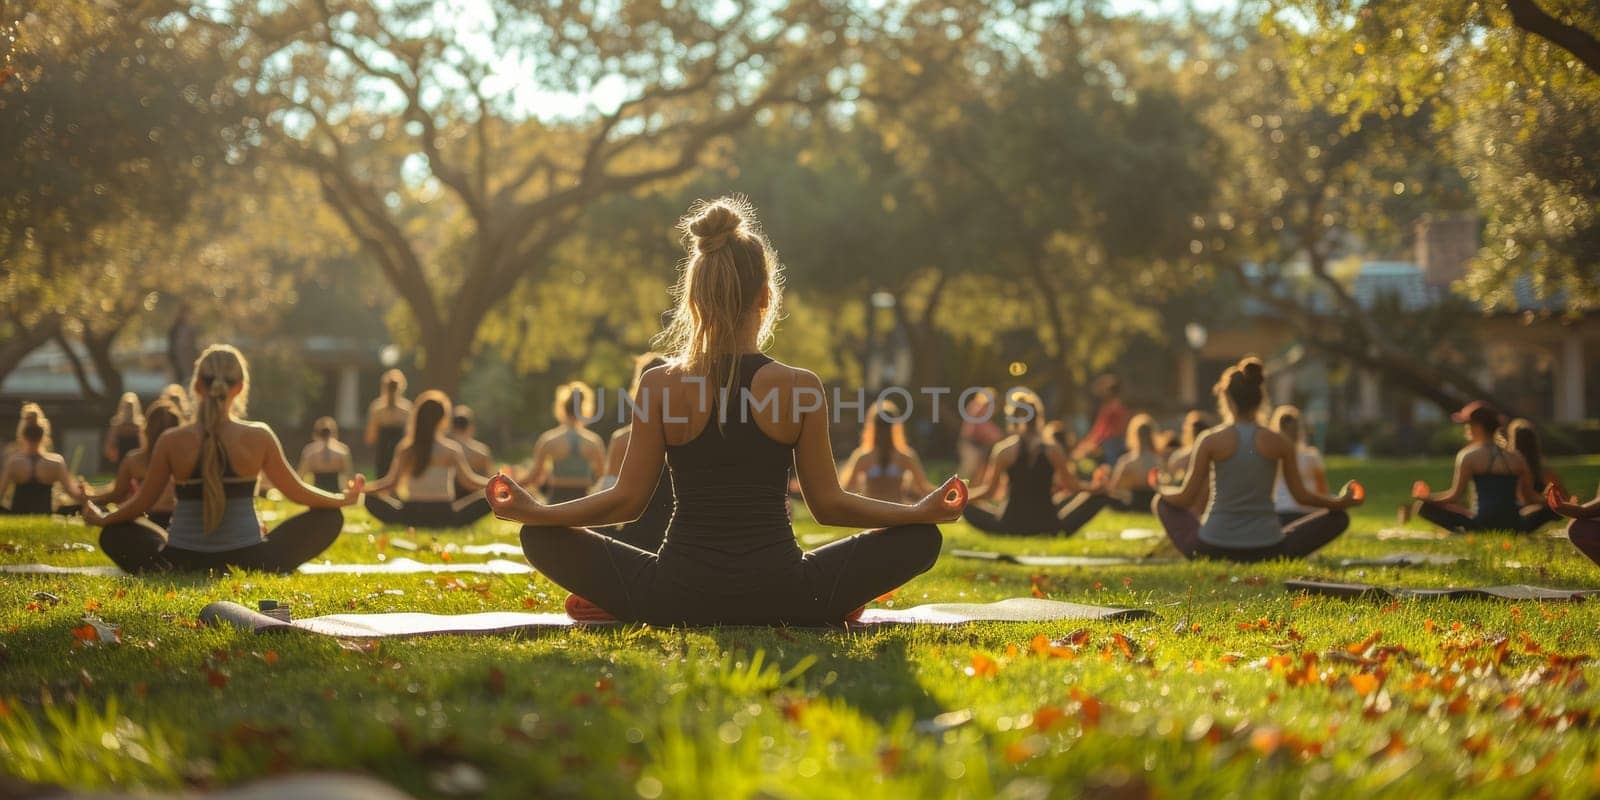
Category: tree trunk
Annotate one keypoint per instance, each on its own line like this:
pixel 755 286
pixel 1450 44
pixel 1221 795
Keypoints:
pixel 16 348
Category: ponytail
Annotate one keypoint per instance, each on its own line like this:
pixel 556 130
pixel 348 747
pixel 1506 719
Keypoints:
pixel 1022 403
pixel 729 264
pixel 220 368
pixel 427 420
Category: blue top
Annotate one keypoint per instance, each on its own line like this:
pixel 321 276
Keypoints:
pixel 573 464
pixel 1240 513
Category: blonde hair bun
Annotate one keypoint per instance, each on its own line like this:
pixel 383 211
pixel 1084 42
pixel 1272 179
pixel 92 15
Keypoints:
pixel 716 223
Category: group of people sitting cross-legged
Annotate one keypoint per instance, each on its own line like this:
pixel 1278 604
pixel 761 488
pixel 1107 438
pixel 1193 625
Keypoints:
pixel 684 518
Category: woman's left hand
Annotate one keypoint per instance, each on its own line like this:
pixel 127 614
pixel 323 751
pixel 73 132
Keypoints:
pixel 353 490
pixel 510 501
pixel 946 503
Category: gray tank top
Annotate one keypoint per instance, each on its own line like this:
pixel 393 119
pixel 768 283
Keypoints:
pixel 1240 513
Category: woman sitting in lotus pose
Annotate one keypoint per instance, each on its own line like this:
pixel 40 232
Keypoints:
pixel 1028 468
pixel 215 461
pixel 31 471
pixel 1502 485
pixel 884 467
pixel 1240 461
pixel 159 418
pixel 430 465
pixel 729 422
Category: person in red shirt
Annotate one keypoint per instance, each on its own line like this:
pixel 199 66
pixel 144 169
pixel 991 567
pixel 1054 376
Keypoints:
pixel 1110 424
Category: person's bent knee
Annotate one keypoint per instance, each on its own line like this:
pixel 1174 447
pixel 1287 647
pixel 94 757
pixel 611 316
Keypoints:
pixel 539 537
pixel 1337 519
pixel 924 541
pixel 1584 531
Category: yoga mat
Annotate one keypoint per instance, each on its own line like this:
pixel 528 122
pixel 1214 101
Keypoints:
pixel 1016 609
pixel 47 569
pixel 1516 591
pixel 1058 561
pixel 394 566
pixel 1388 534
pixel 1405 560
pixel 492 549
pixel 406 566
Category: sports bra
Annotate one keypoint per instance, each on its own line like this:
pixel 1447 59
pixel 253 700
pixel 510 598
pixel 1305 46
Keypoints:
pixel 1495 493
pixel 574 465
pixel 877 469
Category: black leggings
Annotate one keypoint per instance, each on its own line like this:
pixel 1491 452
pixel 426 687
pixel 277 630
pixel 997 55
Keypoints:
pixel 1301 538
pixel 139 546
pixel 1585 535
pixel 428 513
pixel 1009 523
pixel 821 588
pixel 1452 517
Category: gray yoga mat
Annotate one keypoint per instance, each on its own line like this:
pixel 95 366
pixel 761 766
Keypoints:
pixel 1405 560
pixel 394 566
pixel 1017 609
pixel 1516 591
pixel 1057 561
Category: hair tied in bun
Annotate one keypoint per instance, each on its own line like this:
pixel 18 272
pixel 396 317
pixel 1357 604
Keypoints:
pixel 711 244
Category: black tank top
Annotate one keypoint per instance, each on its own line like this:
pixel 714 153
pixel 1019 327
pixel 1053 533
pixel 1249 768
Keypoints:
pixel 126 443
pixel 1030 478
pixel 327 482
pixel 389 438
pixel 1495 494
pixel 194 487
pixel 730 529
pixel 33 495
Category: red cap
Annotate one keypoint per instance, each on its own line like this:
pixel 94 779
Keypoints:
pixel 1480 413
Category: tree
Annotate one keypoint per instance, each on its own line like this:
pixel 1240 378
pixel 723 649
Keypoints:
pixel 1515 85
pixel 108 113
pixel 412 106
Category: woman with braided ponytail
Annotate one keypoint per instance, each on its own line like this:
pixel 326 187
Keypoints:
pixel 1233 471
pixel 215 461
pixel 729 423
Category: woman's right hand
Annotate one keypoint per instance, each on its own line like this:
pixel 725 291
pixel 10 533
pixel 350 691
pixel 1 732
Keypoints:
pixel 1353 494
pixel 93 514
pixel 945 503
pixel 1420 491
pixel 510 501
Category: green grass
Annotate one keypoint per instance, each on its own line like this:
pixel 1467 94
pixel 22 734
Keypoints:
pixel 1235 688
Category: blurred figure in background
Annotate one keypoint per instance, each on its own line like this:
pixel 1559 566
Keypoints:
pixel 386 419
pixel 325 458
pixel 884 467
pixel 1524 440
pixel 215 462
pixel 31 472
pixel 122 434
pixel 979 433
pixel 1499 477
pixel 1028 469
pixel 1110 423
pixel 429 465
pixel 463 429
pixel 1286 420
pixel 1194 425
pixel 650 528
pixel 158 419
pixel 569 458
pixel 1128 488
pixel 1234 470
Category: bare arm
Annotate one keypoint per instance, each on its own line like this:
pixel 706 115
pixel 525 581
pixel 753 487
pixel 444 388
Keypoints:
pixel 122 487
pixel 5 478
pixel 541 457
pixel 466 476
pixel 1289 462
pixel 1458 482
pixel 1191 492
pixel 276 468
pixel 994 473
pixel 1066 480
pixel 624 501
pixel 830 504
pixel 397 468
pixel 850 474
pixel 615 452
pixel 156 477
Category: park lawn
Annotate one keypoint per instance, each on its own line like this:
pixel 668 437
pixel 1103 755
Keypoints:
pixel 1235 687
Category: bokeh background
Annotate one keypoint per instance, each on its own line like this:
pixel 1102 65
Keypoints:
pixel 1397 204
